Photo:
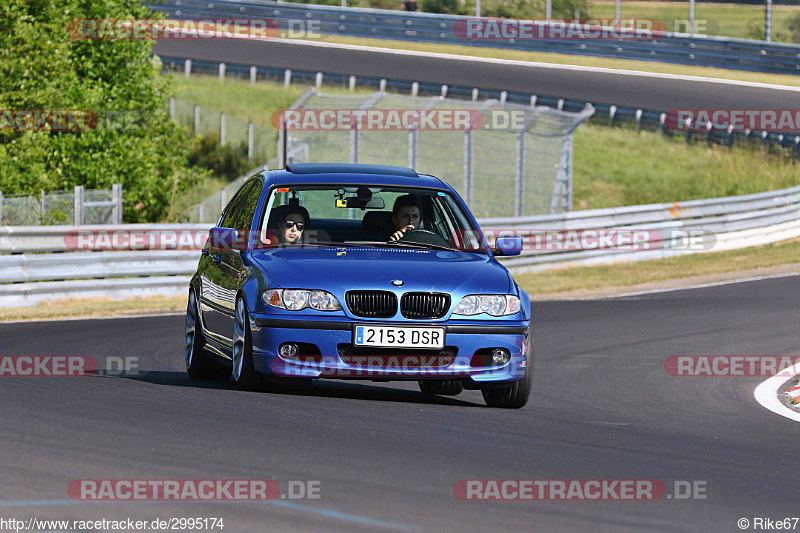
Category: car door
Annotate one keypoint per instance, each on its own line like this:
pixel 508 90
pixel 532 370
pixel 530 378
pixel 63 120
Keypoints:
pixel 218 292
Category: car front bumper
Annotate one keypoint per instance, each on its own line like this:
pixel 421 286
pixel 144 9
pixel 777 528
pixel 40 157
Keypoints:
pixel 338 359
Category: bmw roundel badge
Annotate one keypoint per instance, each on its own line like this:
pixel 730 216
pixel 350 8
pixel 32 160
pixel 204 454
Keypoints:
pixel 397 282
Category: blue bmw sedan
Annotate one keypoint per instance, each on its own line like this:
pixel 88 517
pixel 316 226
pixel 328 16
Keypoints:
pixel 364 272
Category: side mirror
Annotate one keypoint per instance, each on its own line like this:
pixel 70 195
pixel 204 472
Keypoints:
pixel 225 239
pixel 507 245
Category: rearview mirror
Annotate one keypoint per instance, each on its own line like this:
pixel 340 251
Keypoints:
pixel 354 202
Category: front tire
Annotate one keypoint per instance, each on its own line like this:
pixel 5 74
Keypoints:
pixel 198 364
pixel 244 373
pixel 516 395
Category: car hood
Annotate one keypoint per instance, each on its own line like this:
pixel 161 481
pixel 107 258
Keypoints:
pixel 333 268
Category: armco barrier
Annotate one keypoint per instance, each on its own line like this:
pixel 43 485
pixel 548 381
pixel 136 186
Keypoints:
pixel 28 278
pixel 740 54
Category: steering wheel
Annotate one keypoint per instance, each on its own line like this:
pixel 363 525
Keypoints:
pixel 424 236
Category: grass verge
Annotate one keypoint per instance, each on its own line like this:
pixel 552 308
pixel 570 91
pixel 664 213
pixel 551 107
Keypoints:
pixel 95 308
pixel 662 273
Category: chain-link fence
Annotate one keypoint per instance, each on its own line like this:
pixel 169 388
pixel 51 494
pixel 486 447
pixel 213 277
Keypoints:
pixel 504 159
pixel 80 206
pixel 256 142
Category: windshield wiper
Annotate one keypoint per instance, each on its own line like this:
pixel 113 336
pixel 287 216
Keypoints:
pixel 405 244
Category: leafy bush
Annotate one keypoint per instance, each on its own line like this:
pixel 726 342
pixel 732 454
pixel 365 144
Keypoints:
pixel 226 162
pixel 529 9
pixel 42 67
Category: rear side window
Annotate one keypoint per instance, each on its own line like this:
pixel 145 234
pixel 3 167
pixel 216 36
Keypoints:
pixel 234 205
pixel 244 217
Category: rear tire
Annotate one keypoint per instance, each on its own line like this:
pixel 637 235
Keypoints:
pixel 516 395
pixel 444 387
pixel 198 364
pixel 244 373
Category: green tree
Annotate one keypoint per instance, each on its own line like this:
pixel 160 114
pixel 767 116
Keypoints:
pixel 43 67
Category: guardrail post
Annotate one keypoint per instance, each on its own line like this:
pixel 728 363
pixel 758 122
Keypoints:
pixel 382 86
pixel 638 119
pixel 196 119
pixel 520 178
pixel 560 105
pixel 662 121
pixel 187 68
pixel 287 77
pixel 222 136
pixel 222 71
pixel 415 89
pixel 116 196
pixel 533 100
pixel 354 144
pixel 413 138
pixel 612 113
pixel 352 83
pixel 444 91
pixel 78 205
pixel 503 96
pixel 250 140
pixel 172 108
pixel 253 74
pixel 688 125
pixel 468 166
pixel 319 80
pixel 475 93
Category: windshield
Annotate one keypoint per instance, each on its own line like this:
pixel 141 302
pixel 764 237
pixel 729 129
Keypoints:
pixel 360 215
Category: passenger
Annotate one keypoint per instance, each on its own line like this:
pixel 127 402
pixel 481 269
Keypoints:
pixel 406 215
pixel 291 226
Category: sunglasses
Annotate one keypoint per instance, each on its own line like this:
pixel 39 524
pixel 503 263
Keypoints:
pixel 288 225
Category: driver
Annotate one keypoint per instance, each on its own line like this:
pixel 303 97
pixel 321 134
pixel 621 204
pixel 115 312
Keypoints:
pixel 405 215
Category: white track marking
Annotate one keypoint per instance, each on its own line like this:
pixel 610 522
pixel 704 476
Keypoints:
pixel 767 393
pixel 691 287
pixel 536 64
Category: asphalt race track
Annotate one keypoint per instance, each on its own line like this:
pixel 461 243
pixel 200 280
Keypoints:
pixel 387 457
pixel 658 94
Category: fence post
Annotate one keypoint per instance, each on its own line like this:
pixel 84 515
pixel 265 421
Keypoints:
pixel 222 129
pixel 41 213
pixel 222 71
pixel 468 166
pixel 187 68
pixel 354 144
pixel 116 211
pixel 253 74
pixel 172 108
pixel 249 140
pixel 412 147
pixel 1 208
pixel 520 172
pixel 78 205
pixel 196 119
pixel 287 77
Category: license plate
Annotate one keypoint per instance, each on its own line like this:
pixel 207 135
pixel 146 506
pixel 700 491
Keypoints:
pixel 398 337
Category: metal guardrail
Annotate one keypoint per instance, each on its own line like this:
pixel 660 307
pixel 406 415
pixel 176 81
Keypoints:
pixel 607 114
pixel 29 278
pixel 730 53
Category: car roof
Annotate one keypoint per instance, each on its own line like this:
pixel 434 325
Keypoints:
pixel 322 173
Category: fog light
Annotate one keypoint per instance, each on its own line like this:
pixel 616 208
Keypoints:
pixel 500 356
pixel 288 350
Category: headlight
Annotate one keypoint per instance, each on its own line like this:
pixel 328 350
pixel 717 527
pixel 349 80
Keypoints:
pixel 297 299
pixel 491 304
